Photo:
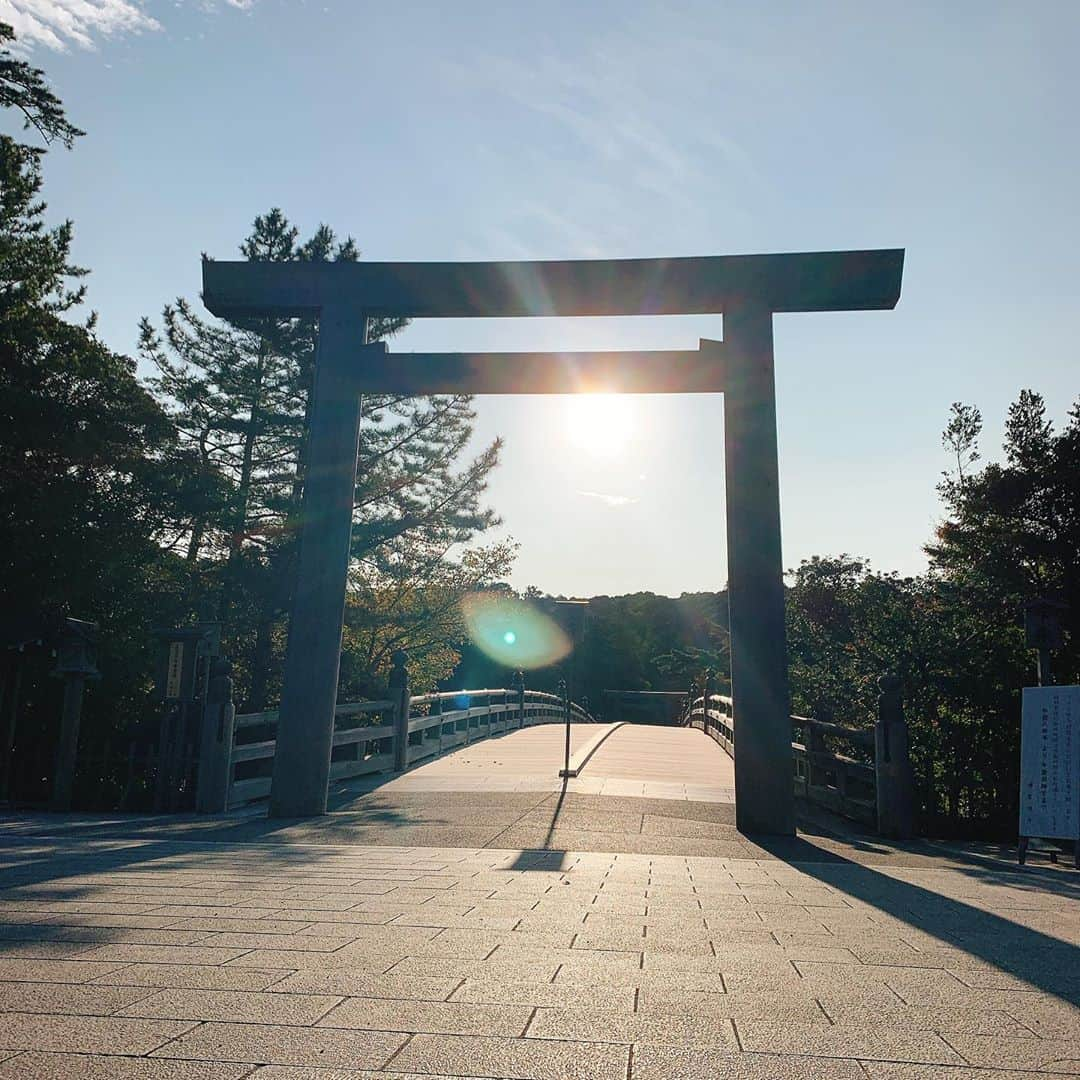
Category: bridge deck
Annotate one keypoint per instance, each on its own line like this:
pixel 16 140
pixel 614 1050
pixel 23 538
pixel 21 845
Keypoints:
pixel 650 761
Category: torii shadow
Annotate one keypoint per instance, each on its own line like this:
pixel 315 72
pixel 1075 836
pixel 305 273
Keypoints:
pixel 1045 963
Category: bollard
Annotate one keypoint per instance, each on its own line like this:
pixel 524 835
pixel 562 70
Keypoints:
pixel 892 764
pixel 399 695
pixel 216 741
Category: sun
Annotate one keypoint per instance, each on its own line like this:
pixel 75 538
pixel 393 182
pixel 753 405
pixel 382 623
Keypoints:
pixel 600 424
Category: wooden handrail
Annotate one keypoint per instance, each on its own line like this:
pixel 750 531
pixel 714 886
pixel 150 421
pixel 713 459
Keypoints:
pixel 837 781
pixel 367 748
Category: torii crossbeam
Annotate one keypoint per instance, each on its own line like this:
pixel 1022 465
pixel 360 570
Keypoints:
pixel 746 289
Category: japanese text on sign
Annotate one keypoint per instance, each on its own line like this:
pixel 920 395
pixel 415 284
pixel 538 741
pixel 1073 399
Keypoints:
pixel 1050 762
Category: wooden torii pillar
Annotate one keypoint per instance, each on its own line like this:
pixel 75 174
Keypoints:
pixel 746 289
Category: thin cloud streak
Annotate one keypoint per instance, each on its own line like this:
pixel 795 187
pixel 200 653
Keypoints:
pixel 613 501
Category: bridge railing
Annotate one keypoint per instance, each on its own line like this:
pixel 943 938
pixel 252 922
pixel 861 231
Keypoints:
pixel 716 718
pixel 366 733
pixel 862 774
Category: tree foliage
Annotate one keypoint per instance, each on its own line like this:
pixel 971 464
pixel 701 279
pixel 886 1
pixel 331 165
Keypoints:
pixel 24 88
pixel 239 393
pixel 1010 534
pixel 92 480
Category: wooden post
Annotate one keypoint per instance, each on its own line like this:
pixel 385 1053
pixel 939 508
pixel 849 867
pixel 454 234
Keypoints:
pixel 305 731
pixel 519 686
pixel 892 764
pixel 764 795
pixel 399 695
pixel 64 781
pixel 76 662
pixel 214 777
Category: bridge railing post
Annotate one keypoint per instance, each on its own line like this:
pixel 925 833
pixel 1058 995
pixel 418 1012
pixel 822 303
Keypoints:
pixel 815 746
pixel 519 686
pixel 892 764
pixel 399 695
pixel 214 777
pixel 705 688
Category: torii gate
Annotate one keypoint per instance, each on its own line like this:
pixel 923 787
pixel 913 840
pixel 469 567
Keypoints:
pixel 746 289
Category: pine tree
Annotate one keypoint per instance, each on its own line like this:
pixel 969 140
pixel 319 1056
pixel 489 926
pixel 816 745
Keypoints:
pixel 92 481
pixel 240 394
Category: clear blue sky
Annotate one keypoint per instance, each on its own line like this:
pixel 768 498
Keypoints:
pixel 491 130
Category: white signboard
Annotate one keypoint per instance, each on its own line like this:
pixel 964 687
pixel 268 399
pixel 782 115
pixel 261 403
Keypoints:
pixel 1050 762
pixel 175 671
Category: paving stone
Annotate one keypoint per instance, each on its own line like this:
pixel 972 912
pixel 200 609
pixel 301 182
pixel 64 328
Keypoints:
pixel 513 1059
pixel 677 1063
pixel 889 1070
pixel 239 1006
pixel 192 976
pixel 556 994
pixel 350 984
pixel 702 1030
pixel 1046 1016
pixel 1060 1055
pixel 450 1018
pixel 162 954
pixel 816 1040
pixel 67 971
pixel 45 950
pixel 32 1065
pixel 86 1034
pixel 294 942
pixel 281 1044
pixel 734 1005
pixel 295 1072
pixel 222 923
pixel 369 959
pixel 91 1000
pixel 497 967
pixel 970 1021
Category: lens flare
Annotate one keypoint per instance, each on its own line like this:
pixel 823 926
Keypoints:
pixel 513 632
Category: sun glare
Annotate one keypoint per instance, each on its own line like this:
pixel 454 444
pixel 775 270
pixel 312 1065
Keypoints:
pixel 601 424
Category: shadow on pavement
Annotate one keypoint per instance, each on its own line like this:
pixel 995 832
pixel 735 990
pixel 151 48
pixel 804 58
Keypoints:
pixel 1038 959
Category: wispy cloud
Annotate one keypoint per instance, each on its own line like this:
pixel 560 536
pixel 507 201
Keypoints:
pixel 59 24
pixel 610 500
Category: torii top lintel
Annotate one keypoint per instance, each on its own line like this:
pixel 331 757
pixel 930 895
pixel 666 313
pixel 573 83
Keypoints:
pixel 804 281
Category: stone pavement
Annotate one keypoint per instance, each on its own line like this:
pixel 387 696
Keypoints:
pixel 229 949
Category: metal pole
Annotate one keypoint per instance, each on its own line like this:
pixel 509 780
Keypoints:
pixel 565 771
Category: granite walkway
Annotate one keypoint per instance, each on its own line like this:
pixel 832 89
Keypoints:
pixel 133 950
